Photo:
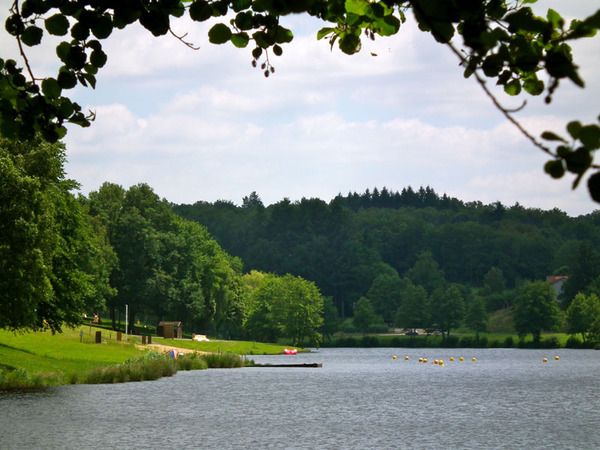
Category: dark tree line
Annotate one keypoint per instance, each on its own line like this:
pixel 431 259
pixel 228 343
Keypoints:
pixel 344 245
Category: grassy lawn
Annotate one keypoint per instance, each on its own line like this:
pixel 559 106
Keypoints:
pixel 60 357
pixel 62 352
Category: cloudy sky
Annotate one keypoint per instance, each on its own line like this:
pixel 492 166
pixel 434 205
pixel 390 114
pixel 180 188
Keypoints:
pixel 205 125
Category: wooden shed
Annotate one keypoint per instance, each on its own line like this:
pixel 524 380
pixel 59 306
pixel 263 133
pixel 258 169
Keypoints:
pixel 170 330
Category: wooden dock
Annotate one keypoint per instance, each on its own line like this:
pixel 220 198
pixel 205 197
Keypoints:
pixel 310 365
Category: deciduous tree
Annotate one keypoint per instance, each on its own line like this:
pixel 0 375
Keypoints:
pixel 536 309
pixel 54 261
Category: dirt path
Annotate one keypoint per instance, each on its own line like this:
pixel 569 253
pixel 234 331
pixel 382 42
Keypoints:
pixel 161 348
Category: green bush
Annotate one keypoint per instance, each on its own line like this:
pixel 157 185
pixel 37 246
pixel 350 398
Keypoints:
pixel 20 379
pixel 551 342
pixel 467 342
pixel 346 342
pixel 450 342
pixel 347 326
pixel 191 361
pixel 509 342
pixel 378 328
pixel 574 342
pixel 369 341
pixel 222 360
pixel 150 366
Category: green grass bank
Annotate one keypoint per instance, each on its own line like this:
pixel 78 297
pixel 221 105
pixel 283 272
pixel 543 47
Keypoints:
pixel 34 360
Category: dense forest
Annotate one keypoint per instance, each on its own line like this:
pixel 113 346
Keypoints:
pixel 380 259
pixel 345 245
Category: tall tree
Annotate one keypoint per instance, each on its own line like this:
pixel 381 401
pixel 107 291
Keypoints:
pixel 447 308
pixel 582 314
pixel 426 273
pixel 331 321
pixel 364 314
pixel 583 269
pixel 385 294
pixel 535 309
pixel 477 317
pixel 53 260
pixel 413 311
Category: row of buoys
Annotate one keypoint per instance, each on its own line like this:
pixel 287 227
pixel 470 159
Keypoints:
pixel 439 361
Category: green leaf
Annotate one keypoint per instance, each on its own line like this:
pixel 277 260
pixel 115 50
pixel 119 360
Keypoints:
pixel 513 87
pixel 51 89
pixel 65 107
pixel 283 35
pixel 98 58
pixel 350 43
pixel 550 136
pixel 533 86
pixel 594 186
pixel 32 35
pixel 240 40
pixel 58 25
pixel 358 7
pixel 62 51
pixel 103 28
pixel 560 65
pixel 85 78
pixel 324 32
pixel 219 34
pixel 256 52
pixel 589 136
pixel 67 79
pixel 239 5
pixel 156 22
pixel 555 19
pixel 387 26
pixel 14 25
pixel 524 20
pixel 244 20
pixel 80 31
pixel 578 161
pixel 554 168
pixel 574 128
pixel 492 65
pixel 200 11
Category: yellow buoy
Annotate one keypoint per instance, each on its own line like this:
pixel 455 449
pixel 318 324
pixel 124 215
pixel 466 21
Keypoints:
pixel 441 362
pixel 474 359
pixel 425 361
pixel 461 359
pixel 451 358
pixel 394 356
pixel 436 361
pixel 420 359
pixel 556 358
pixel 406 358
pixel 544 360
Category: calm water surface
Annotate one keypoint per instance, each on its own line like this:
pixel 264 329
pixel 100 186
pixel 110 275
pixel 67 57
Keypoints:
pixel 360 398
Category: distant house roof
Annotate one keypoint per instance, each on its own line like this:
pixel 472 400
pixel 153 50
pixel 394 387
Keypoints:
pixel 557 282
pixel 555 279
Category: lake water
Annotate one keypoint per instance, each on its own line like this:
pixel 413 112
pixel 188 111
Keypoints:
pixel 359 399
